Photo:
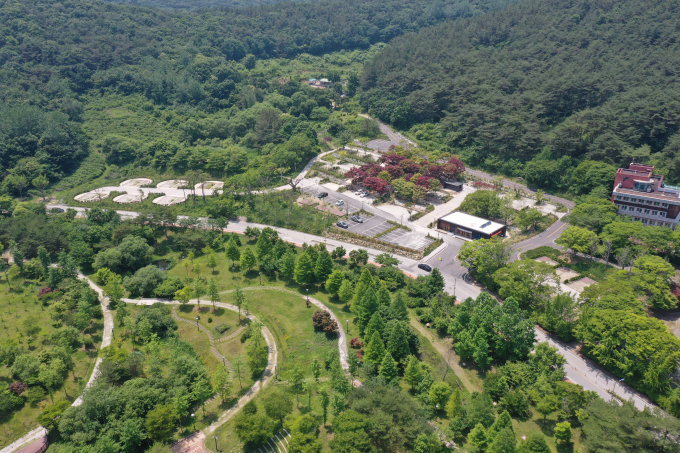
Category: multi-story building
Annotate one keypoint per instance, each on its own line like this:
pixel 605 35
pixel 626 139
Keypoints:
pixel 641 194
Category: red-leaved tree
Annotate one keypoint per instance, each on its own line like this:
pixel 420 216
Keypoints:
pixel 376 184
pixel 357 175
pixel 395 171
pixel 409 166
pixel 391 159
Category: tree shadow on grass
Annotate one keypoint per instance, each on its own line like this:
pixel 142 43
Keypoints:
pixel 186 308
pixel 547 428
pixel 565 448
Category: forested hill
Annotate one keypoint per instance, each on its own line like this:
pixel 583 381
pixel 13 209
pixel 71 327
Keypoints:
pixel 72 39
pixel 195 4
pixel 556 80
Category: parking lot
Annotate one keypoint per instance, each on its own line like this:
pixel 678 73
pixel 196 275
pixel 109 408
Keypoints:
pixel 348 206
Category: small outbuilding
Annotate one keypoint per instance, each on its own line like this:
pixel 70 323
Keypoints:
pixel 470 227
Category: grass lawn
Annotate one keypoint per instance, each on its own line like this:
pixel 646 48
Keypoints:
pixel 28 322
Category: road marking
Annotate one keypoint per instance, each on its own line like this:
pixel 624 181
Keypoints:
pixel 562 226
pixel 526 245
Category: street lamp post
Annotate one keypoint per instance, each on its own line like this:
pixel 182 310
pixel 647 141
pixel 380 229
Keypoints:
pixel 215 437
pixel 260 278
pixel 224 361
pixel 193 417
pixel 276 373
pixel 308 295
pixel 113 333
pixel 348 327
pixel 437 411
pixel 197 323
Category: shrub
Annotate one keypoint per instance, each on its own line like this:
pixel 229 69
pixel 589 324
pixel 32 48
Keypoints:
pixel 209 320
pixel 356 343
pixel 246 334
pixel 87 341
pixel 44 290
pixel 17 387
pixel 322 320
pixel 221 328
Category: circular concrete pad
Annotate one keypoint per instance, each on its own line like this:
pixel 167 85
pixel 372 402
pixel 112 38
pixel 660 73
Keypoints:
pixel 88 197
pixel 169 200
pixel 209 185
pixel 127 198
pixel 171 184
pixel 139 182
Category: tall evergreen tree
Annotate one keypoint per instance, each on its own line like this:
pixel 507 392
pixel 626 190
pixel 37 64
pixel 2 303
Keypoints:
pixel 388 370
pixel 346 292
pixel 375 324
pixel 504 421
pixel 365 281
pixel 232 251
pixel 398 308
pixel 384 298
pixel 413 373
pixel 375 349
pixel 248 259
pixel 304 270
pixel 454 407
pixel 368 306
pixel 397 346
pixel 334 282
pixel 504 442
pixel 287 265
pixel 263 246
pixel 324 266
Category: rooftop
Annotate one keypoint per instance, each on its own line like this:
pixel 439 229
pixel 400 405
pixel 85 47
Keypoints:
pixel 473 223
pixel 657 194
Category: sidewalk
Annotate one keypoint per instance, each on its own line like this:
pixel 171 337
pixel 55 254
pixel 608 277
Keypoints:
pixel 445 208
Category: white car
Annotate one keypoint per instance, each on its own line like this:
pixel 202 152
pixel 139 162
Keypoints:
pixel 363 194
pixel 339 203
pixel 358 192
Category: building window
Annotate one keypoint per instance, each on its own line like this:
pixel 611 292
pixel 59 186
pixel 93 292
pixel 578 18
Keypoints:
pixel 646 211
pixel 649 202
pixel 638 210
pixel 625 198
pixel 662 214
pixel 645 221
pixel 664 205
pixel 633 200
pixel 637 219
pixel 624 208
pixel 656 203
pixel 652 222
pixel 655 212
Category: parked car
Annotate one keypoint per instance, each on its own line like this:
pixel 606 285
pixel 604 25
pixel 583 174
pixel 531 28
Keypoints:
pixel 363 194
pixel 339 203
pixel 358 192
pixel 322 195
pixel 425 267
pixel 357 219
pixel 342 224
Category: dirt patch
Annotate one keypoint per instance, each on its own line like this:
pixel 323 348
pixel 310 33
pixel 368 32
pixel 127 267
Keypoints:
pixel 581 284
pixel 546 260
pixel 671 319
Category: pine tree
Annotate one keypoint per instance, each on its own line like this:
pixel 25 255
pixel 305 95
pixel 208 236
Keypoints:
pixel 324 266
pixel 384 296
pixel 481 353
pixel 397 346
pixel 263 246
pixel 248 259
pixel 304 270
pixel 388 370
pixel 398 308
pixel 375 324
pixel 346 291
pixel 232 251
pixel 504 421
pixel 368 306
pixel 504 442
pixel 478 437
pixel 365 281
pixel 375 349
pixel 334 282
pixel 454 407
pixel 287 265
pixel 413 373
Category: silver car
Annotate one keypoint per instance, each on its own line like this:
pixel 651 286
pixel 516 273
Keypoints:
pixel 339 203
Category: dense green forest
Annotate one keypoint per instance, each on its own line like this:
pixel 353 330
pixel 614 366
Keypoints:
pixel 535 89
pixel 194 4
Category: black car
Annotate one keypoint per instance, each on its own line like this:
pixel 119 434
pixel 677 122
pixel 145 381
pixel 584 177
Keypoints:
pixel 425 267
pixel 342 224
pixel 322 195
pixel 357 219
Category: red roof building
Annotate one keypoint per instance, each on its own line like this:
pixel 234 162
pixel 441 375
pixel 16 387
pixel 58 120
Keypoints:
pixel 641 194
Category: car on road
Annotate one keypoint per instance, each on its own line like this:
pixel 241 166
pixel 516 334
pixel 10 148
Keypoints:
pixel 322 195
pixel 339 203
pixel 342 224
pixel 357 219
pixel 425 267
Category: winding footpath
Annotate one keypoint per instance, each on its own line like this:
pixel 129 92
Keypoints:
pixel 195 442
